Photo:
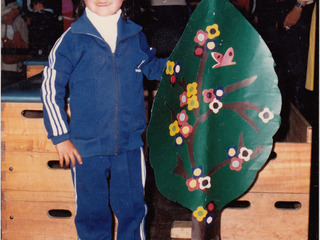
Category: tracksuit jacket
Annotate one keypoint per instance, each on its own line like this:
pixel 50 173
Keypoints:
pixel 105 89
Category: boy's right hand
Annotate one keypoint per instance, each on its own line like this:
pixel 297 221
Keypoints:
pixel 68 153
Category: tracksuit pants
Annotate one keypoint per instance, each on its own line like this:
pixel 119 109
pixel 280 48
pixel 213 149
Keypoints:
pixel 106 184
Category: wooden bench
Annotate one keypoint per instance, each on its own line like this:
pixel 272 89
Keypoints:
pixel 34 67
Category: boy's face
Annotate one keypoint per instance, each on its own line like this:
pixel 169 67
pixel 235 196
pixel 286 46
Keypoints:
pixel 104 7
pixel 38 6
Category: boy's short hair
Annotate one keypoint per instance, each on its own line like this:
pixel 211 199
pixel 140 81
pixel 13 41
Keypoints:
pixel 43 2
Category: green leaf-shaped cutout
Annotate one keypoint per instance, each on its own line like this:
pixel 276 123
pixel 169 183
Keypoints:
pixel 216 110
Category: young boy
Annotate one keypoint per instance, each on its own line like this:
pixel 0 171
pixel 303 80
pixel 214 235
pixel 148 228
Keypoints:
pixel 102 58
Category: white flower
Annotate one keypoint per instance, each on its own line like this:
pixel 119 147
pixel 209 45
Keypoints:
pixel 204 182
pixel 245 154
pixel 266 115
pixel 215 105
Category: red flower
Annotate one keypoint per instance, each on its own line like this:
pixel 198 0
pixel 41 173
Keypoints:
pixel 210 206
pixel 173 79
pixel 182 117
pixel 185 129
pixel 192 184
pixel 198 51
pixel 183 99
pixel 236 164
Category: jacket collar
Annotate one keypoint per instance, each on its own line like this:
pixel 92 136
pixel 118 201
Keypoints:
pixel 126 29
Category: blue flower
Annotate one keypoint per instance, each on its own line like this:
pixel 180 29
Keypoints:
pixel 210 45
pixel 209 219
pixel 219 92
pixel 197 171
pixel 179 140
pixel 177 68
pixel 232 151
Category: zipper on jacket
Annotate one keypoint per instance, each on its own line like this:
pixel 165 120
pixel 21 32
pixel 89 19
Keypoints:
pixel 116 103
pixel 116 95
pixel 116 86
pixel 116 152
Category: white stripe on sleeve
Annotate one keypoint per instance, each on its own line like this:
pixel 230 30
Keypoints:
pixel 49 93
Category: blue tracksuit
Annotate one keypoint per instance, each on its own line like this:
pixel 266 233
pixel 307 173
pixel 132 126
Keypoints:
pixel 107 107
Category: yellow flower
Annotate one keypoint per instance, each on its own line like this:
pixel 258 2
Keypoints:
pixel 192 89
pixel 213 31
pixel 193 103
pixel 174 128
pixel 170 66
pixel 200 213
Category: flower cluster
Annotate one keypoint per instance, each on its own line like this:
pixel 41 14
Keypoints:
pixel 238 157
pixel 205 214
pixel 206 40
pixel 180 128
pixel 173 69
pixel 198 181
pixel 213 97
pixel 189 97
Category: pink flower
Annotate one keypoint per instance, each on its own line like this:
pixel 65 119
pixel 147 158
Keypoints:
pixel 208 95
pixel 183 99
pixel 182 117
pixel 192 184
pixel 201 37
pixel 236 164
pixel 185 129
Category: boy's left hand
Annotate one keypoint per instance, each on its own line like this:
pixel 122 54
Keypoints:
pixel 68 153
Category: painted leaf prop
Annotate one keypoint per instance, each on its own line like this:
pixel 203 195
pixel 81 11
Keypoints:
pixel 215 112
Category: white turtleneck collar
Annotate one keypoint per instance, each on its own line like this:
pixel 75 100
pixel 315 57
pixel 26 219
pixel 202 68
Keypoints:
pixel 106 26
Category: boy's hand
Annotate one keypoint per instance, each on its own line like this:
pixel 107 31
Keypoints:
pixel 68 153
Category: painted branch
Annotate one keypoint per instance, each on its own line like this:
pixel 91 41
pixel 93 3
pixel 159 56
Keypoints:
pixel 240 84
pixel 204 116
pixel 199 80
pixel 257 151
pixel 190 139
pixel 241 142
pixel 173 114
pixel 182 84
pixel 217 167
pixel 179 169
pixel 240 107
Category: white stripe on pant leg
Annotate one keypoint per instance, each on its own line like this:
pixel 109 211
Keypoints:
pixel 143 177
pixel 142 232
pixel 75 191
pixel 143 169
